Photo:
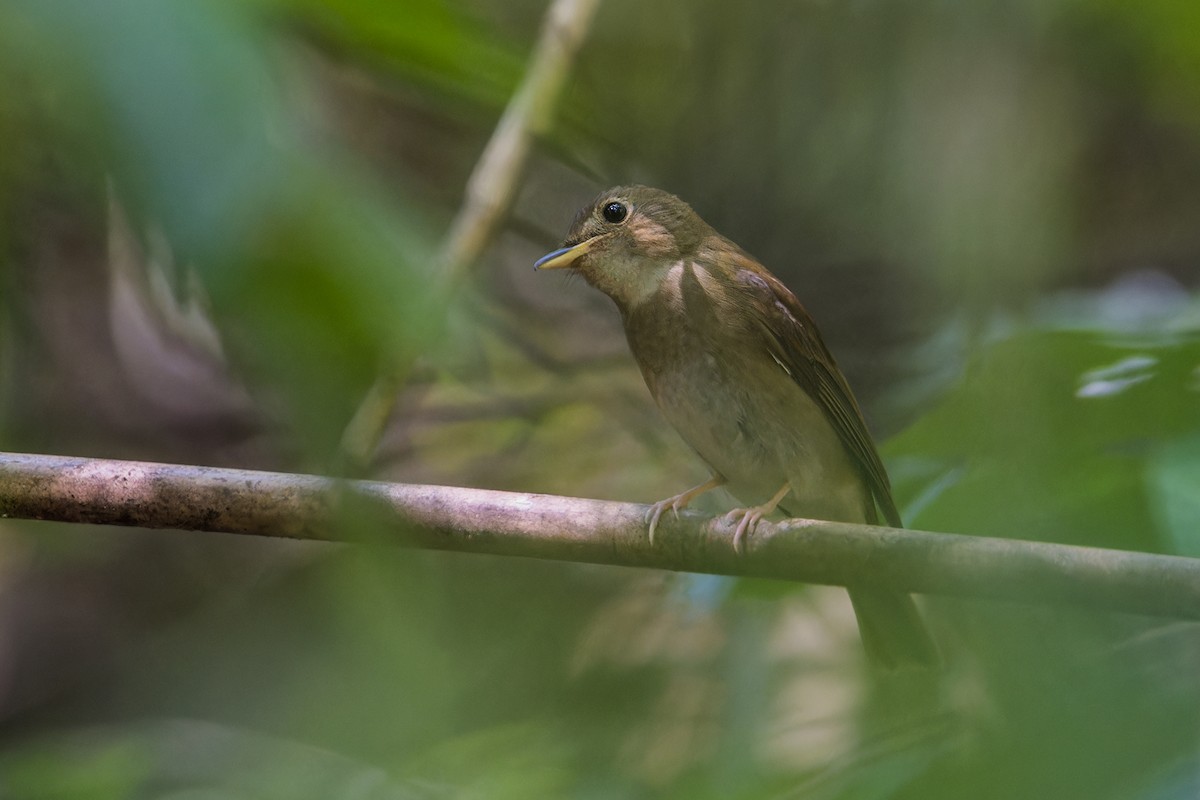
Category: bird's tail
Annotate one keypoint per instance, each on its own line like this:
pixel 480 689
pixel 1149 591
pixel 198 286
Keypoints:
pixel 893 633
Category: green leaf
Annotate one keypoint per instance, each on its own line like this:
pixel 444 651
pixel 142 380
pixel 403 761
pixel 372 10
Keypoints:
pixel 1051 435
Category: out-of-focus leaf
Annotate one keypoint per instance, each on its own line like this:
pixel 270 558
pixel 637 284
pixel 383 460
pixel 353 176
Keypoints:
pixel 509 762
pixel 314 276
pixel 432 42
pixel 1173 474
pixel 193 760
pixel 1160 36
pixel 102 770
pixel 1050 436
pixel 335 283
pixel 179 100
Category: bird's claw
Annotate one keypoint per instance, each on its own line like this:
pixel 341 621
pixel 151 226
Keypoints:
pixel 679 502
pixel 750 517
pixel 749 521
pixel 655 512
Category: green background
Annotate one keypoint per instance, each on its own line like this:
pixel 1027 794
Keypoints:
pixel 219 219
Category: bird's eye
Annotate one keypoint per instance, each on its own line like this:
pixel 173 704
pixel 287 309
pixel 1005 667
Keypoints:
pixel 615 212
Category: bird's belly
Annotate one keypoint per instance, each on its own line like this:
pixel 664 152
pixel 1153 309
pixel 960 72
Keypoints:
pixel 759 441
pixel 717 423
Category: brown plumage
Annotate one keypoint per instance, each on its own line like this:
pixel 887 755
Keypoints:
pixel 738 367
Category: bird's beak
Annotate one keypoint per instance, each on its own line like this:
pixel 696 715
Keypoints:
pixel 567 256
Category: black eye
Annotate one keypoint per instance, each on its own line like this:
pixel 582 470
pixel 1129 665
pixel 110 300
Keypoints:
pixel 615 212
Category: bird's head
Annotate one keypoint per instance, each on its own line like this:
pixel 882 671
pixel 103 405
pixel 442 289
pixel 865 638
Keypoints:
pixel 626 241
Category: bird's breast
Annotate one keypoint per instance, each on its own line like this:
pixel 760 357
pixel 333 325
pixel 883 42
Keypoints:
pixel 716 415
pixel 739 409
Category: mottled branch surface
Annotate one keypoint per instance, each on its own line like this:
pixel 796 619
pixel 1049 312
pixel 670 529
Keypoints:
pixel 166 496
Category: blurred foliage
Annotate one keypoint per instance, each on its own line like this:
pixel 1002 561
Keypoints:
pixel 1077 426
pixel 218 221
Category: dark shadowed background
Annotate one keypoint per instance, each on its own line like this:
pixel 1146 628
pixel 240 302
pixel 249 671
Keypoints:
pixel 219 219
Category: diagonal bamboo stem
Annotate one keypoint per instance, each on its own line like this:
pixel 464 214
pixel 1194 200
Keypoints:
pixel 489 194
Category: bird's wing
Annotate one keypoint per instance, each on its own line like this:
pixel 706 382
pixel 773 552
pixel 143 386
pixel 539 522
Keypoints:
pixel 794 342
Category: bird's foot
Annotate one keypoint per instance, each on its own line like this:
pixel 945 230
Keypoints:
pixel 678 503
pixel 654 514
pixel 748 518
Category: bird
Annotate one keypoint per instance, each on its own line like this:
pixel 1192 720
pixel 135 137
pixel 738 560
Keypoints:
pixel 737 366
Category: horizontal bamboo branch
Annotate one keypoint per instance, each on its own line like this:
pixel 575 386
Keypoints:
pixel 149 495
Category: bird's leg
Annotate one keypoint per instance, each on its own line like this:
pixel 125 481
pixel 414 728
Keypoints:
pixel 751 516
pixel 679 501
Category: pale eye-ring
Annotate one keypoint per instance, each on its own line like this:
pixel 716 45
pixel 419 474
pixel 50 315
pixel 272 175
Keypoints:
pixel 615 212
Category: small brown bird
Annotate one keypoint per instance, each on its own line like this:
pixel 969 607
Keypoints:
pixel 737 366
